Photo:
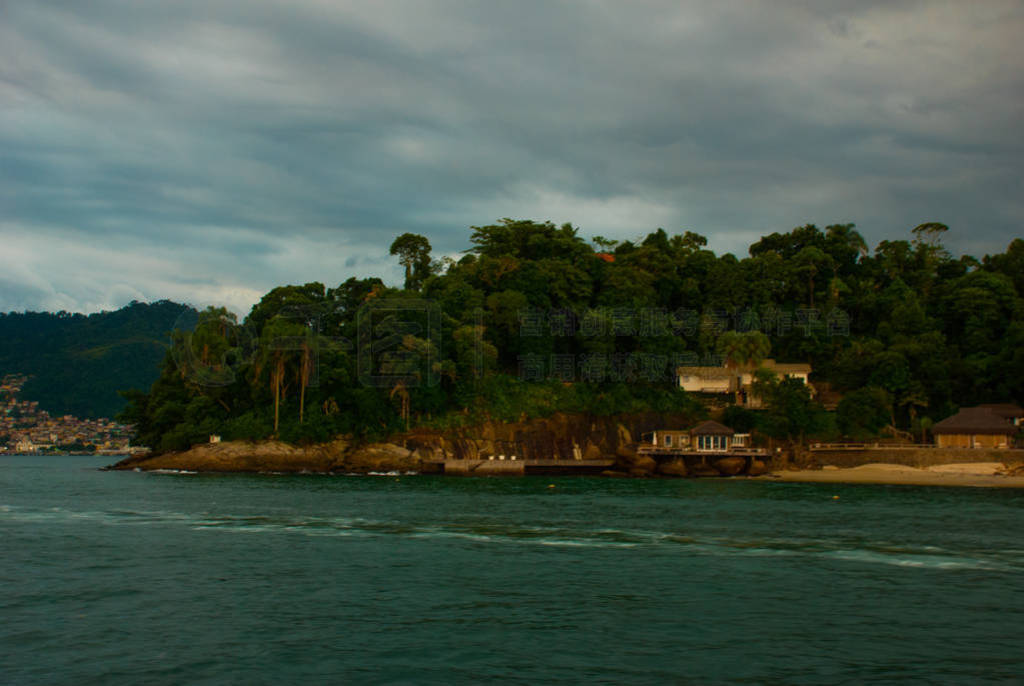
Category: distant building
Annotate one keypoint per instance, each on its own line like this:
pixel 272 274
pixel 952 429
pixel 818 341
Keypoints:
pixel 975 427
pixel 710 436
pixel 724 379
pixel 706 437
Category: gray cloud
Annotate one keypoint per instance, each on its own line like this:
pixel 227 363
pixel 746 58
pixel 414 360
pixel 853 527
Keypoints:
pixel 207 151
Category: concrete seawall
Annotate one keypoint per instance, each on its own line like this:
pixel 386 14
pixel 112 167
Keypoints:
pixel 485 467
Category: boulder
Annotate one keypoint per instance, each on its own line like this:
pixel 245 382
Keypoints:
pixel 757 468
pixel 382 457
pixel 673 468
pixel 703 470
pixel 592 452
pixel 615 474
pixel 640 472
pixel 624 437
pixel 626 453
pixel 730 466
pixel 643 463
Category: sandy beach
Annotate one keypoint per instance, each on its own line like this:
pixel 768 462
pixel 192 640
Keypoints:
pixel 979 474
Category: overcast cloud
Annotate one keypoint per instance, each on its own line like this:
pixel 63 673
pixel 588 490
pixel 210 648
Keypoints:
pixel 207 151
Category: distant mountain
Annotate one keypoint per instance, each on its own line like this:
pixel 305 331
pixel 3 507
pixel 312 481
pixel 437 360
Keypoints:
pixel 79 362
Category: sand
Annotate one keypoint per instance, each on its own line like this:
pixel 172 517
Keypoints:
pixel 983 474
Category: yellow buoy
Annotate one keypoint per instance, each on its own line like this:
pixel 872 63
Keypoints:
pixel 835 497
pixel 551 485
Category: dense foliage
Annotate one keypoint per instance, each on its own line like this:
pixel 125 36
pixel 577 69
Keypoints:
pixel 78 363
pixel 534 318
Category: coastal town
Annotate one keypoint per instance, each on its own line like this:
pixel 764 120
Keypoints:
pixel 27 429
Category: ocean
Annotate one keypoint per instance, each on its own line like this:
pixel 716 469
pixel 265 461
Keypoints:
pixel 144 578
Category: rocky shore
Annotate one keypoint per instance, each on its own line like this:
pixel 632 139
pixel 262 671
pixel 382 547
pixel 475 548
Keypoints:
pixel 563 436
pixel 579 439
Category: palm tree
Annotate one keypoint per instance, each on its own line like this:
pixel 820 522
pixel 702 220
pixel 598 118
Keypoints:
pixel 402 392
pixel 809 261
pixel 743 351
pixel 305 370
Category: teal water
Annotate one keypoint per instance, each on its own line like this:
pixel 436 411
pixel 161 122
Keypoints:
pixel 123 577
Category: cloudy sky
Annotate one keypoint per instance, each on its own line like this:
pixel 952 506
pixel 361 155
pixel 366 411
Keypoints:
pixel 206 151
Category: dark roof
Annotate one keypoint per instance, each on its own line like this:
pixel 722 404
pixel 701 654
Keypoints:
pixel 974 420
pixel 712 428
pixel 1005 410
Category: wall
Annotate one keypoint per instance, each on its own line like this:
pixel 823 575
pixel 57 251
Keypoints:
pixel 484 467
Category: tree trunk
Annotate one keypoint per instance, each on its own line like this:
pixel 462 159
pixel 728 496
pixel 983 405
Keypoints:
pixel 277 399
pixel 304 380
pixel 278 377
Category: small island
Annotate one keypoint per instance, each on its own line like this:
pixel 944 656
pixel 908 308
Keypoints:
pixel 540 351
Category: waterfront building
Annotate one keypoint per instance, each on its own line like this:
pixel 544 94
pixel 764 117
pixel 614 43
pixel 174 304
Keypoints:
pixel 975 427
pixel 707 437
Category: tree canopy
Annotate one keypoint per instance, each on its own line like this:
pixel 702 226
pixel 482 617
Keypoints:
pixel 535 318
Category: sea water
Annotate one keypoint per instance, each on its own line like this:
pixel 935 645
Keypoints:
pixel 126 577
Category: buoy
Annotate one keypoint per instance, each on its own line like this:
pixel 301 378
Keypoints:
pixel 835 497
pixel 551 485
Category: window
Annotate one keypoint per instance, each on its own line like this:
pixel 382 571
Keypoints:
pixel 668 440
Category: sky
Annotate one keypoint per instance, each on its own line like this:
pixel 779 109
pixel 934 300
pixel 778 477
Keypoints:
pixel 206 151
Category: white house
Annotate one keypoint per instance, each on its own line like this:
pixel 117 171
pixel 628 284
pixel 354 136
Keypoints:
pixel 724 379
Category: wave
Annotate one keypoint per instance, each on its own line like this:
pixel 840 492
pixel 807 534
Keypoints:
pixel 826 551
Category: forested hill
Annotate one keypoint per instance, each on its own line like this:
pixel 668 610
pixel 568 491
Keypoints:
pixel 535 318
pixel 78 362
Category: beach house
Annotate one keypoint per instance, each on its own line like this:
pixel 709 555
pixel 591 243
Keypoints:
pixel 976 427
pixel 707 437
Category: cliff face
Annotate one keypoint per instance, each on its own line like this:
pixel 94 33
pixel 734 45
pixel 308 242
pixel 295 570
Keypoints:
pixel 561 436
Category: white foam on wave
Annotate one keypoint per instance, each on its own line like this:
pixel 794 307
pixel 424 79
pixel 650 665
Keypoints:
pixel 916 561
pixel 575 543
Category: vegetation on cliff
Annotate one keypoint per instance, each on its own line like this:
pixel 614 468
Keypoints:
pixel 535 319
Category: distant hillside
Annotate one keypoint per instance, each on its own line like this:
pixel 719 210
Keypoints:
pixel 79 362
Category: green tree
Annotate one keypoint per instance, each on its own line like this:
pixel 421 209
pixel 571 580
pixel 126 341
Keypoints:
pixel 810 261
pixel 413 253
pixel 789 410
pixel 743 351
pixel 861 414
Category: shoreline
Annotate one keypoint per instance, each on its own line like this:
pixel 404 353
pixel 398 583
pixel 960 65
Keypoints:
pixel 976 474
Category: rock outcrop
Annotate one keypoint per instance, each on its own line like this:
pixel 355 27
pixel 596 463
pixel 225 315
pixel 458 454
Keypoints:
pixel 246 456
pixel 757 468
pixel 562 436
pixel 674 468
pixel 730 466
